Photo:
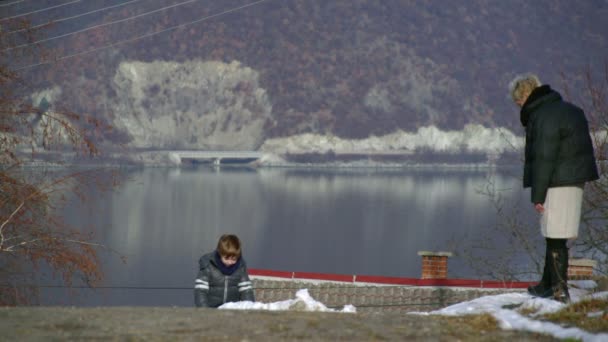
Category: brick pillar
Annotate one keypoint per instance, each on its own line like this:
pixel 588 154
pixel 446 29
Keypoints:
pixel 434 264
pixel 579 269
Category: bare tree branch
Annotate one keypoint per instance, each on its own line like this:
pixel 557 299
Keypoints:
pixel 6 222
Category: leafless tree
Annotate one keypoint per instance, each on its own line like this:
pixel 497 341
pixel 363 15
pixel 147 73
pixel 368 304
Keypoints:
pixel 33 232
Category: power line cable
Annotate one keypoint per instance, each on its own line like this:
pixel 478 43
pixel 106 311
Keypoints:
pixel 40 10
pixel 99 25
pixel 143 36
pixel 76 16
pixel 11 3
pixel 396 303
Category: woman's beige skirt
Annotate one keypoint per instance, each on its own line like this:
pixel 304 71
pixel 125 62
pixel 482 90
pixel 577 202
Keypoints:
pixel 562 214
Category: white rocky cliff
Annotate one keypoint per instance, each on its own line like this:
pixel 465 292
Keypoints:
pixel 190 105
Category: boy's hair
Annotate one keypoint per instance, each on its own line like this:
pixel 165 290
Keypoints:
pixel 229 246
pixel 522 85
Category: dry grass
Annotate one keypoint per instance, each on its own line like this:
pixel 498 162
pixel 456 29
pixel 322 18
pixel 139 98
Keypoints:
pixel 590 315
pixel 528 311
pixel 482 322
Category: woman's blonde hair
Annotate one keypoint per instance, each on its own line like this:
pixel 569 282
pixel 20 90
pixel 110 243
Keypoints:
pixel 229 246
pixel 522 85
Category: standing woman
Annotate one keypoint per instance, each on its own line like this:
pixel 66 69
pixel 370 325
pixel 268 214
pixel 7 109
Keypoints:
pixel 558 161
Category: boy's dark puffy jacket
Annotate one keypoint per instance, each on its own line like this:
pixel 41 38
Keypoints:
pixel 559 151
pixel 213 288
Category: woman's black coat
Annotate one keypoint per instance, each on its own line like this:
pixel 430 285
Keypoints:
pixel 559 151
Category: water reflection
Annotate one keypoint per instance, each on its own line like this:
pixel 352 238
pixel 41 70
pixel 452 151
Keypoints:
pixel 331 221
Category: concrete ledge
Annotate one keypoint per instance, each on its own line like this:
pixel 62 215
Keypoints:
pixel 582 262
pixel 428 253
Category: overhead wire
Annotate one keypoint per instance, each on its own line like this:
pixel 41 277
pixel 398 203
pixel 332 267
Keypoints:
pixel 290 288
pixel 75 16
pixel 99 25
pixel 40 10
pixel 130 40
pixel 11 3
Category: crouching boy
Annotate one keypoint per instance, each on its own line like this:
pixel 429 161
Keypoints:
pixel 222 275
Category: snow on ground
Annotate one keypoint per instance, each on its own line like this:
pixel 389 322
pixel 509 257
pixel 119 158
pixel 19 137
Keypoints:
pixel 503 307
pixel 302 302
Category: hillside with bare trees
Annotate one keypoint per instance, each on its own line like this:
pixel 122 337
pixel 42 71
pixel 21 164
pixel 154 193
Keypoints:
pixel 346 68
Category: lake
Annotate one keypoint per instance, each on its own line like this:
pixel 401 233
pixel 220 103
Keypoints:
pixel 366 221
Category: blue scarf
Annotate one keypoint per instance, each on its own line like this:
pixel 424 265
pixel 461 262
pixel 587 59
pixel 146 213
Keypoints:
pixel 226 270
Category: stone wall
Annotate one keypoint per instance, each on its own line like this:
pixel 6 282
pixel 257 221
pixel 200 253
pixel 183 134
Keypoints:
pixel 372 297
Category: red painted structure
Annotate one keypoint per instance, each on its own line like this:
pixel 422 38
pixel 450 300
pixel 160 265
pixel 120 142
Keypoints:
pixel 391 280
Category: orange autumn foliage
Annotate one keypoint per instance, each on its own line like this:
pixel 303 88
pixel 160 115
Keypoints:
pixel 33 233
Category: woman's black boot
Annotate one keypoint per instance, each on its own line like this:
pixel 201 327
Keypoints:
pixel 543 288
pixel 559 274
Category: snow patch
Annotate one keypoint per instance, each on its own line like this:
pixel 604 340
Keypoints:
pixel 302 302
pixel 504 308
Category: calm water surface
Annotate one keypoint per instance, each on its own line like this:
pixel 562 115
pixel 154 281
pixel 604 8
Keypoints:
pixel 345 221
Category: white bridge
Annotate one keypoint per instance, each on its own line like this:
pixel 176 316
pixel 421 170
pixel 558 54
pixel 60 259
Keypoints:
pixel 214 157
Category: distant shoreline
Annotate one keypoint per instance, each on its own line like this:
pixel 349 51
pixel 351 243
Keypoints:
pixel 362 159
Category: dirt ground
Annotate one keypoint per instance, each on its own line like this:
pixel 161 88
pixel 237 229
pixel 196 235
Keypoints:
pixel 191 324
